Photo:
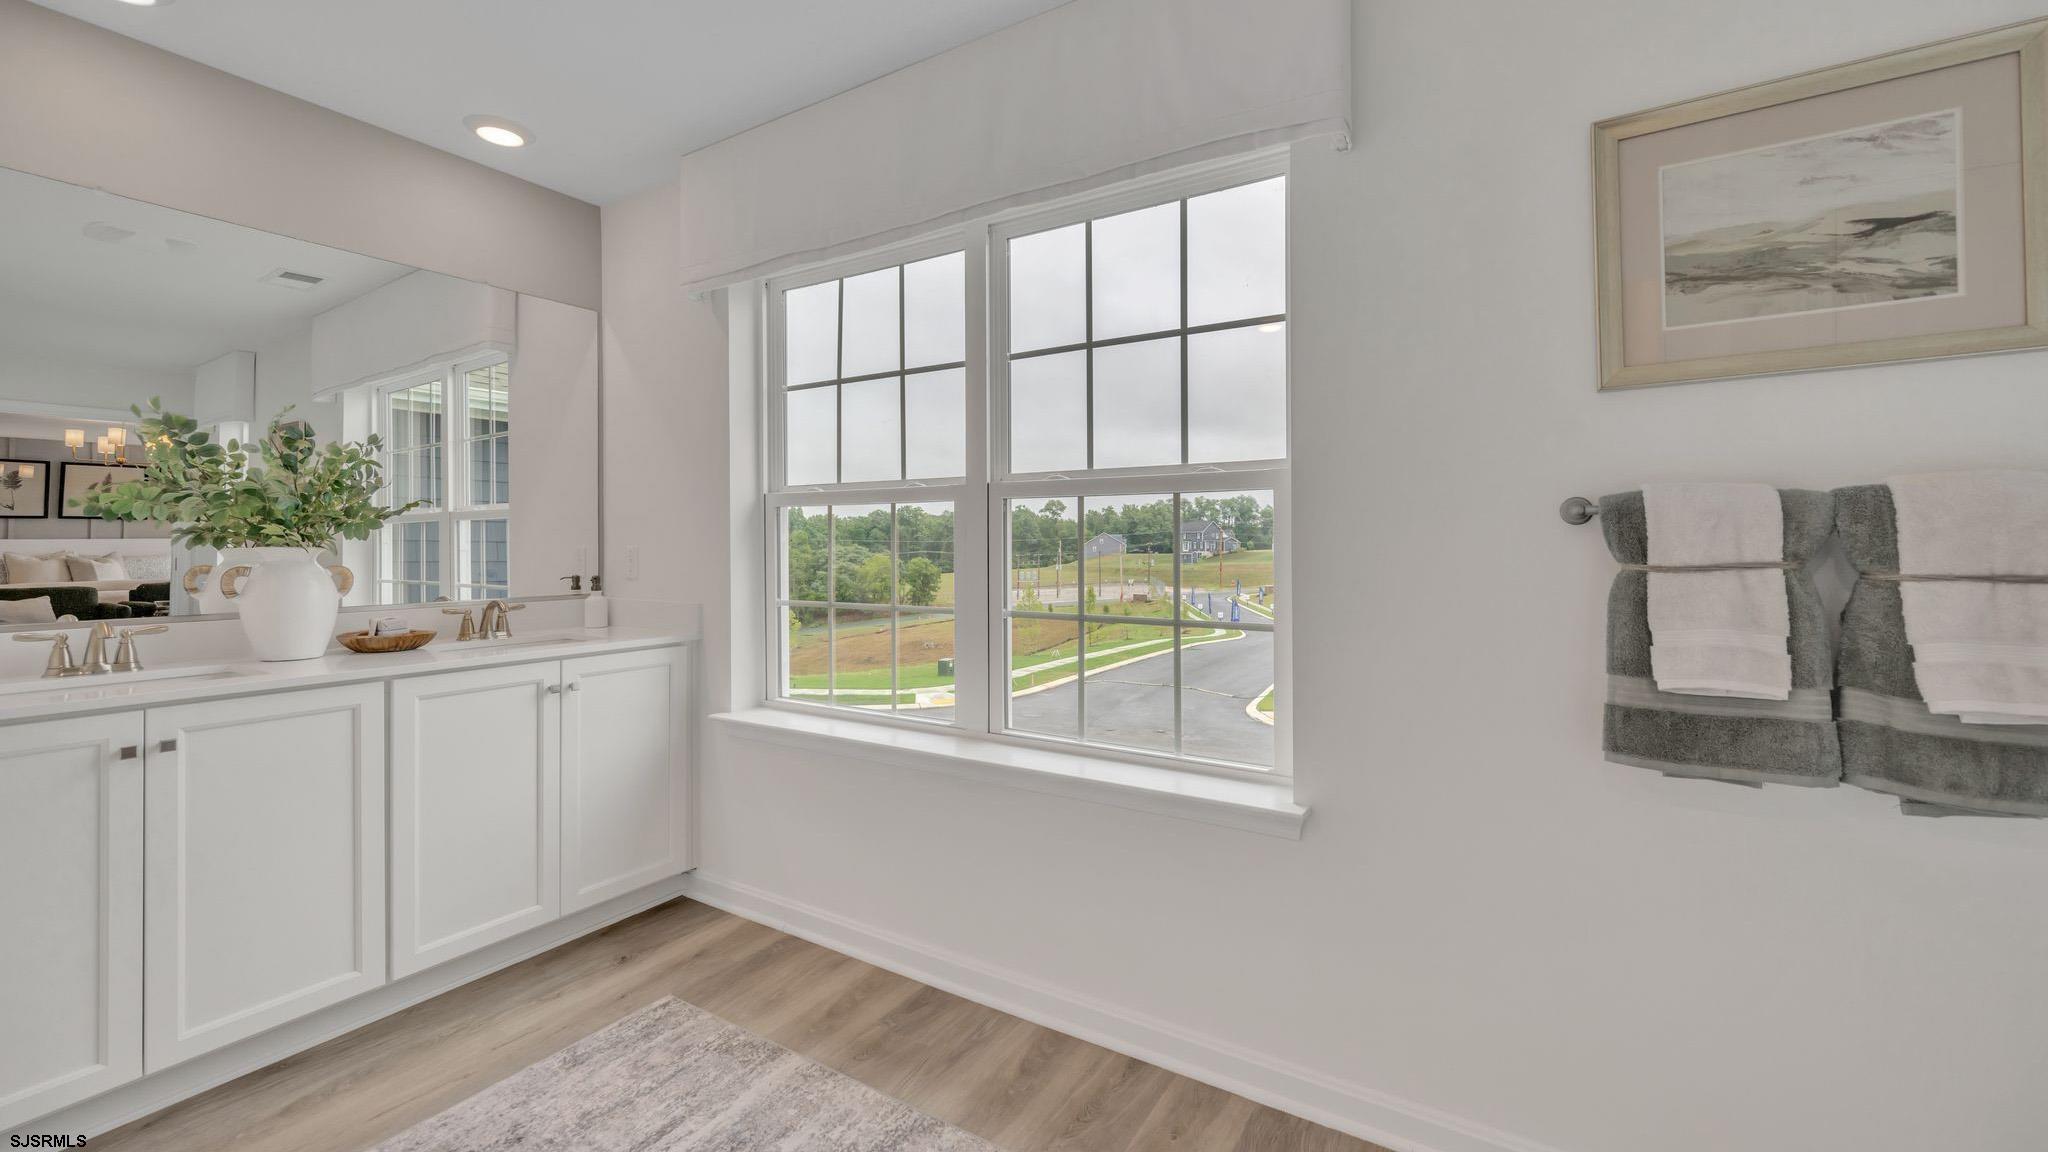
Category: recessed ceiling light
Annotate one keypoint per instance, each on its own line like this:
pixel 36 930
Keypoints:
pixel 498 130
pixel 146 3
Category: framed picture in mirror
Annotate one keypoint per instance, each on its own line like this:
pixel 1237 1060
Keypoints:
pixel 81 478
pixel 1889 209
pixel 24 490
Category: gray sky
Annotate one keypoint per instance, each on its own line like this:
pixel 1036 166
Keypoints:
pixel 1236 254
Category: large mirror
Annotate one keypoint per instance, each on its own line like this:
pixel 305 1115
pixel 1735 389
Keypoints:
pixel 485 399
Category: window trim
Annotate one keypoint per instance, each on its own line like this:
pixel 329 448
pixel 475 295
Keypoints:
pixel 979 498
pixel 451 513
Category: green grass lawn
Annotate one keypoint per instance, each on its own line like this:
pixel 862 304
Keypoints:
pixel 1266 702
pixel 1042 652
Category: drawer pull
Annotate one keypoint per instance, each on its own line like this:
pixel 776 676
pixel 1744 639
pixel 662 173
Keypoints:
pixel 129 752
pixel 554 689
pixel 167 746
pixel 575 685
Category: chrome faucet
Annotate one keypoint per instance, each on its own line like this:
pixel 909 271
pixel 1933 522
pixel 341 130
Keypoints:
pixel 468 628
pixel 126 659
pixel 494 625
pixel 95 661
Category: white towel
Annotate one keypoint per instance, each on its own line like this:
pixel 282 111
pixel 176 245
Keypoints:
pixel 1980 649
pixel 1718 633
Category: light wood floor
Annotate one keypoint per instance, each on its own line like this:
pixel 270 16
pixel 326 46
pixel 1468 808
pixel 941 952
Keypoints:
pixel 1023 1087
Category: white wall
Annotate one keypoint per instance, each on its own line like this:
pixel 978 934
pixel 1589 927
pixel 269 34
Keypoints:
pixel 84 105
pixel 1484 926
pixel 284 379
pixel 665 439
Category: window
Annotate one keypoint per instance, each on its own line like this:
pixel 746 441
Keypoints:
pixel 1061 524
pixel 456 544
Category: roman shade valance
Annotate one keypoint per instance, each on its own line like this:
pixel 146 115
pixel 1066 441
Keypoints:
pixel 1088 94
pixel 417 321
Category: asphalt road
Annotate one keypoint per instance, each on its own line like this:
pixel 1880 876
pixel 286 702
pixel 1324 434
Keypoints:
pixel 1133 705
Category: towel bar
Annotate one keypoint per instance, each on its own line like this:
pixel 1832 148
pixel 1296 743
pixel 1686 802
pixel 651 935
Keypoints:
pixel 1577 510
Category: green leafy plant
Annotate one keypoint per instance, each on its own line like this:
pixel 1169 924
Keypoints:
pixel 286 491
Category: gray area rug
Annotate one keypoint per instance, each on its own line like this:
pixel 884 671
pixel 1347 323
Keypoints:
pixel 674 1078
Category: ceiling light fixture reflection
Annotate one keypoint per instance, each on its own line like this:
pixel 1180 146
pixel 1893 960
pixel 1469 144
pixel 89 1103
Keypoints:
pixel 498 130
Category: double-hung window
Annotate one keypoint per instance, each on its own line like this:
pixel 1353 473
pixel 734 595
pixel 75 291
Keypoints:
pixel 447 441
pixel 1031 482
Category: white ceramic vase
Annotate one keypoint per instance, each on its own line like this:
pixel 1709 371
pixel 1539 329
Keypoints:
pixel 202 581
pixel 286 599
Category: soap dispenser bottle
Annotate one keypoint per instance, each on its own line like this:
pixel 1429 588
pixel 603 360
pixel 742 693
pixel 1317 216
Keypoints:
pixel 597 611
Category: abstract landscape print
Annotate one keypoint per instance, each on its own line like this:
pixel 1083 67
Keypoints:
pixel 1866 216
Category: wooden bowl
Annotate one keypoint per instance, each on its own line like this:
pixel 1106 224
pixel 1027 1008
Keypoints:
pixel 395 642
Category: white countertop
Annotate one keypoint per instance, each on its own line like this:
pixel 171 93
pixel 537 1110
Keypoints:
pixel 173 682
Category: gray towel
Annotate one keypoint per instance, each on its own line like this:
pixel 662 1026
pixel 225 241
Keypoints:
pixel 1936 765
pixel 1721 738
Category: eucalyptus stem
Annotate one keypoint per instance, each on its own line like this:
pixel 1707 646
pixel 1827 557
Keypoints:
pixel 286 490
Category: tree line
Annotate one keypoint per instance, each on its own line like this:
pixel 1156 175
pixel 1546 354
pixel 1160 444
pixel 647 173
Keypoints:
pixel 1039 537
pixel 862 561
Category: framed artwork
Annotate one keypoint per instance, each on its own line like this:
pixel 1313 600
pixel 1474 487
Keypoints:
pixel 1891 209
pixel 81 478
pixel 24 489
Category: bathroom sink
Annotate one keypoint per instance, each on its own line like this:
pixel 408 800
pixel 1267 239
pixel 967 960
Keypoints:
pixel 117 683
pixel 473 649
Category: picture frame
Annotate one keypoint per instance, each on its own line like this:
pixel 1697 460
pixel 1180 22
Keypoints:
pixel 24 489
pixel 81 476
pixel 1816 221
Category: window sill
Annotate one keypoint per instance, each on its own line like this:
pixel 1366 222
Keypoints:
pixel 1265 807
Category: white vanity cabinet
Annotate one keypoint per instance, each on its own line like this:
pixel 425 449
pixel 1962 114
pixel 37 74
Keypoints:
pixel 70 911
pixel 525 792
pixel 264 863
pixel 475 826
pixel 177 878
pixel 625 786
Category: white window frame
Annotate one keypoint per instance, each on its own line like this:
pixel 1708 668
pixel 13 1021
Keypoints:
pixel 454 509
pixel 980 497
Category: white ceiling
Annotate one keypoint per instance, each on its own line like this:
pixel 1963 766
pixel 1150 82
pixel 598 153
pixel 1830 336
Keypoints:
pixel 614 91
pixel 178 292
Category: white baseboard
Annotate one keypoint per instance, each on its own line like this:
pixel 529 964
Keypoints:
pixel 139 1098
pixel 1398 1124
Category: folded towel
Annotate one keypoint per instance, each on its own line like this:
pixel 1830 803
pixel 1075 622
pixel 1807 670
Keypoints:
pixel 1749 741
pixel 1718 633
pixel 1891 742
pixel 1980 649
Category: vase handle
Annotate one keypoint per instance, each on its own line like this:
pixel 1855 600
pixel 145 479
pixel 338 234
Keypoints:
pixel 230 576
pixel 343 578
pixel 192 576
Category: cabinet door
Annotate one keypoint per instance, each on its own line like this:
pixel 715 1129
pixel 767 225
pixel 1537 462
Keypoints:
pixel 265 864
pixel 70 912
pixel 625 777
pixel 475 825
